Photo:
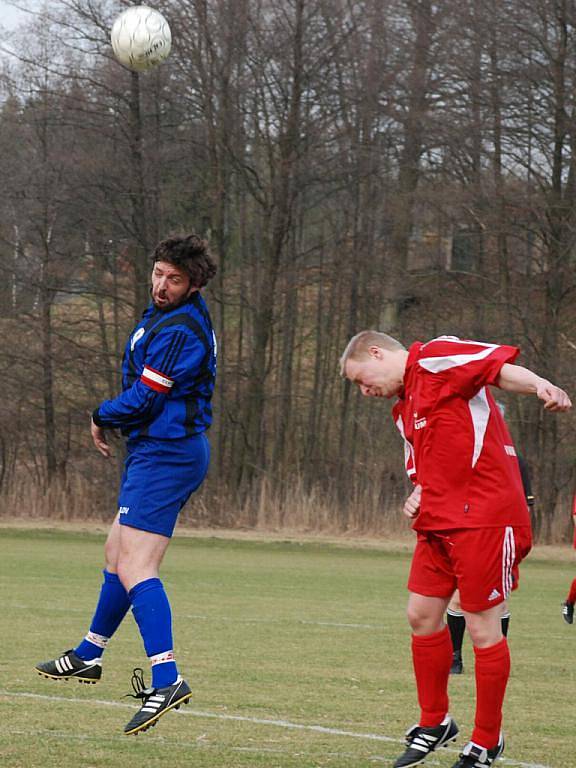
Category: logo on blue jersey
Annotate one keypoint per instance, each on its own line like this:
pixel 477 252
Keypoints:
pixel 136 338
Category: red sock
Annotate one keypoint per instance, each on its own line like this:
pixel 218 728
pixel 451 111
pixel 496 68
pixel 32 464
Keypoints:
pixel 492 672
pixel 432 657
pixel 572 594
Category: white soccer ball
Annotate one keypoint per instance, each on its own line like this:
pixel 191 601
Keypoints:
pixel 141 38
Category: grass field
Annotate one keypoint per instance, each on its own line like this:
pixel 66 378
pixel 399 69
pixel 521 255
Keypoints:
pixel 298 656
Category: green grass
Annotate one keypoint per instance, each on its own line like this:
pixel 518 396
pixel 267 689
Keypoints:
pixel 307 634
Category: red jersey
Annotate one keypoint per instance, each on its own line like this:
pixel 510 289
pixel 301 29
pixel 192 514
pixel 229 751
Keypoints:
pixel 457 445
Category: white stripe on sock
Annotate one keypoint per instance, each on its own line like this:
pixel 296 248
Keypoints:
pixel 161 658
pixel 100 641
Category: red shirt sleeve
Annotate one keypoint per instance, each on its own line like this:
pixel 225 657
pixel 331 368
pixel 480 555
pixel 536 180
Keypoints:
pixel 467 365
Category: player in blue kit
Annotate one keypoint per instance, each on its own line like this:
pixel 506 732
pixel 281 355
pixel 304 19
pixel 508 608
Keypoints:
pixel 164 410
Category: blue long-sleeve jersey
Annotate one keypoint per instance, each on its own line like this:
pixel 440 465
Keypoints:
pixel 168 374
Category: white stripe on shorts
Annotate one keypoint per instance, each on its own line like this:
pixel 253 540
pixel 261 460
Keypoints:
pixel 508 557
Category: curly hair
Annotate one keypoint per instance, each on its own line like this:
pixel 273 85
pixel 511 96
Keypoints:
pixel 190 253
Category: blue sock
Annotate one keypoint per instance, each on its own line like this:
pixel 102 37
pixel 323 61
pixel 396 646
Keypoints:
pixel 152 613
pixel 112 606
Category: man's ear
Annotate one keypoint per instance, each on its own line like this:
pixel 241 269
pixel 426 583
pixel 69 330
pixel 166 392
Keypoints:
pixel 376 352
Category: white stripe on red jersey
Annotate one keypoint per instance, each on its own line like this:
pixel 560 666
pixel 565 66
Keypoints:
pixel 409 460
pixel 480 412
pixel 438 364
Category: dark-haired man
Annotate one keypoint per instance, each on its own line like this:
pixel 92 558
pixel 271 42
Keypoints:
pixel 164 410
pixel 468 509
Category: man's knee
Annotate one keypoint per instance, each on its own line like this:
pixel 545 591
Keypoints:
pixel 112 547
pixel 124 574
pixel 132 568
pixel 111 556
pixel 422 623
pixel 425 614
pixel 139 556
pixel 485 628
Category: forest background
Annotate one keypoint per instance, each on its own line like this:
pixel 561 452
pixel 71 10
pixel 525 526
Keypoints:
pixel 405 165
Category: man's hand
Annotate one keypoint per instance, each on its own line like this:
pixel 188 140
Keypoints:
pixel 412 504
pixel 99 439
pixel 555 399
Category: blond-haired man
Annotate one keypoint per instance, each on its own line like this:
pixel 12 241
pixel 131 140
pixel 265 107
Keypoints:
pixel 468 509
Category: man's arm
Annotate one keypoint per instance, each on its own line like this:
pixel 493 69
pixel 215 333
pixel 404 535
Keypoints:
pixel 170 358
pixel 516 378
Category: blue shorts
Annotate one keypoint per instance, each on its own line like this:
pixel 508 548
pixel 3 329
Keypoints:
pixel 159 477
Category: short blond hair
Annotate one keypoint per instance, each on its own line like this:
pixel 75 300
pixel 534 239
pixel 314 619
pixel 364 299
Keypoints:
pixel 359 345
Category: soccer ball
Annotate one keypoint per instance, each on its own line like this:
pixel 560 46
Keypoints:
pixel 141 38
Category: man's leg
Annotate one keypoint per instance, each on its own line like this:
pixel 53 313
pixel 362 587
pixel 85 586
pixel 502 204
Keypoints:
pixel 505 618
pixel 432 657
pixel 141 553
pixel 84 662
pixel 112 606
pixel 457 625
pixel 568 605
pixel 140 556
pixel 492 672
pixel 487 562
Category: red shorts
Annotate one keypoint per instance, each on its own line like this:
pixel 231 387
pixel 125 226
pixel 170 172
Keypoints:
pixel 481 562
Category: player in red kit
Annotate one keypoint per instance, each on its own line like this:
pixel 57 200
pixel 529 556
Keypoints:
pixel 568 604
pixel 468 510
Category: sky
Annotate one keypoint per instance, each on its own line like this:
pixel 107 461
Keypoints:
pixel 10 17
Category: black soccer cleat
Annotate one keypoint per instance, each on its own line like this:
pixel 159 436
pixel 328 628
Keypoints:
pixel 156 701
pixel 475 756
pixel 568 612
pixel 421 741
pixel 457 666
pixel 71 666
